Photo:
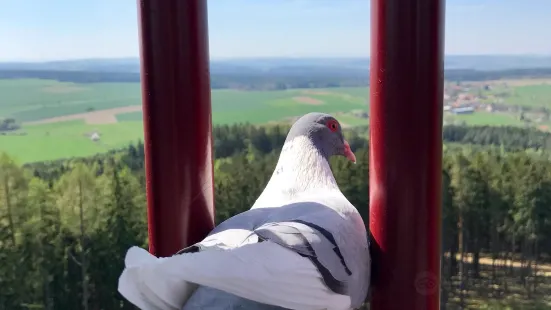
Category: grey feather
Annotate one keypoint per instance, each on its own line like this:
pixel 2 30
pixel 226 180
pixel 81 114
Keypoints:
pixel 286 226
pixel 305 240
pixel 208 298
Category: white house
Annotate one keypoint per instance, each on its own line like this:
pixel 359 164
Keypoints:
pixel 94 136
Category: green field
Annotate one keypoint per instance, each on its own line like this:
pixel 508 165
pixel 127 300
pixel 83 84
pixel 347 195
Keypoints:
pixel 32 100
pixel 129 117
pixel 537 95
pixel 68 139
pixel 65 135
pixel 531 96
pixel 58 118
pixel 491 119
pixel 258 107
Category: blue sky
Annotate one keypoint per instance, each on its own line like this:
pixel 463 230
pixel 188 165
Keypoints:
pixel 65 29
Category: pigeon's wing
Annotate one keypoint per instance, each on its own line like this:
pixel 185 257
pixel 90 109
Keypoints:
pixel 315 243
pixel 265 272
pixel 337 234
pixel 353 243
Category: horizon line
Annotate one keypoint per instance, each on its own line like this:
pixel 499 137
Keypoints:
pixel 261 57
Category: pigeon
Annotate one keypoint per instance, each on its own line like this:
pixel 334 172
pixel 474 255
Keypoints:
pixel 302 245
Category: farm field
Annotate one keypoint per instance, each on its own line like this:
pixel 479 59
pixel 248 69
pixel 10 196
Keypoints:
pixel 490 119
pixel 68 139
pixel 537 95
pixel 531 96
pixel 46 101
pixel 31 100
pixel 259 107
pixel 59 119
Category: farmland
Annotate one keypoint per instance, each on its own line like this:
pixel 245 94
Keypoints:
pixel 33 100
pixel 68 139
pixel 58 119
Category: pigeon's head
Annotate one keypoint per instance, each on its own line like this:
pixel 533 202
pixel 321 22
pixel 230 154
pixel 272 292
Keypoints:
pixel 325 133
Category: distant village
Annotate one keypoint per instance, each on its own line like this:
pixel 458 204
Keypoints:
pixel 490 97
pixel 474 97
pixel 467 98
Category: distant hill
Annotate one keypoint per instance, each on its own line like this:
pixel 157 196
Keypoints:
pixel 93 65
pixel 497 62
pixel 279 73
pixel 275 65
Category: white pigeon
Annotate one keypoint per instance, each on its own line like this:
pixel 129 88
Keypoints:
pixel 301 246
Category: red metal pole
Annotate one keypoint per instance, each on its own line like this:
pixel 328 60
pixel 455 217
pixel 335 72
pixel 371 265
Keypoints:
pixel 177 122
pixel 407 50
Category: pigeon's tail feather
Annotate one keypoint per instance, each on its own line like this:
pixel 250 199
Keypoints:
pixel 145 284
pixel 129 287
pixel 137 256
pixel 264 272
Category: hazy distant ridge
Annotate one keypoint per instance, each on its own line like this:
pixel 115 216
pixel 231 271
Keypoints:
pixel 274 65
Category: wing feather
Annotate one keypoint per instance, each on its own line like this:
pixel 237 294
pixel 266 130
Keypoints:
pixel 264 272
pixel 313 242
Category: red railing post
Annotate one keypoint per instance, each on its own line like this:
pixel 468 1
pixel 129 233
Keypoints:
pixel 177 122
pixel 407 70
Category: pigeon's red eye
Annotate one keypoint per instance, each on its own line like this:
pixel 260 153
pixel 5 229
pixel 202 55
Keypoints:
pixel 332 125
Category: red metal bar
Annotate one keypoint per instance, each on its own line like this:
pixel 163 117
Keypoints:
pixel 406 152
pixel 177 122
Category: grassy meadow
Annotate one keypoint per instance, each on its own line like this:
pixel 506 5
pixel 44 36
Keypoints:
pixel 68 139
pixel 58 119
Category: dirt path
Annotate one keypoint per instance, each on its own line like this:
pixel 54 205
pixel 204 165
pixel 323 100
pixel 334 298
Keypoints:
pixel 545 269
pixel 316 92
pixel 307 100
pixel 108 116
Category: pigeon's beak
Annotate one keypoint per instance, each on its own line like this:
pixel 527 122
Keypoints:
pixel 348 152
